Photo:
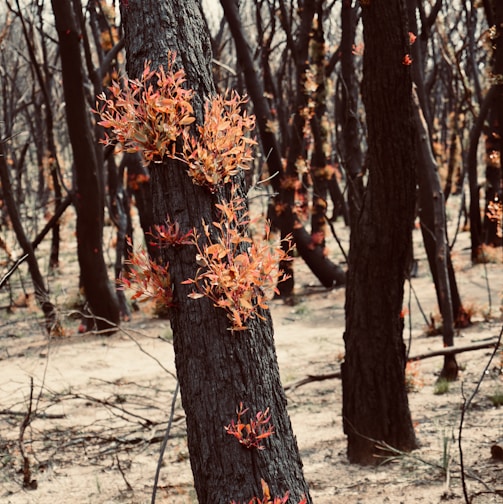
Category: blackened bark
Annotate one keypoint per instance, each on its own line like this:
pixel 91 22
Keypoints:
pixel 216 368
pixel 351 138
pixel 492 226
pixel 318 168
pixel 89 201
pixel 375 404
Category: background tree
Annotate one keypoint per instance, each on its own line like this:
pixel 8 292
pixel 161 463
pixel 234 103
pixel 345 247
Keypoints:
pixel 89 179
pixel 217 369
pixel 375 404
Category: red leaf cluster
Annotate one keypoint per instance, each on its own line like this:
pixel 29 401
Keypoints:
pixel 252 433
pixel 267 499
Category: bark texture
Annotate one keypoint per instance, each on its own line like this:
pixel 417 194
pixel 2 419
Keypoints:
pixel 217 369
pixel 375 404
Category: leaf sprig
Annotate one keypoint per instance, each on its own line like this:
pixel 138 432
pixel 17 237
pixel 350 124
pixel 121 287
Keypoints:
pixel 222 147
pixel 267 499
pixel 148 118
pixel 238 273
pixel 251 434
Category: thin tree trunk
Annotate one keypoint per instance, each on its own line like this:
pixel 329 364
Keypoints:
pixel 89 197
pixel 351 137
pixel 120 215
pixel 475 219
pixel 431 199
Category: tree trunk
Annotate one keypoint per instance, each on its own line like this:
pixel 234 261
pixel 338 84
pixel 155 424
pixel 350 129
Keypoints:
pixel 375 404
pixel 139 187
pixel 432 206
pixel 216 368
pixel 89 197
pixel 492 224
pixel 120 214
pixel 351 137
pixel 472 169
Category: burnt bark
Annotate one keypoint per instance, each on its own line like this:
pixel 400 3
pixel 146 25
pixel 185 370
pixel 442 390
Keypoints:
pixel 351 145
pixel 375 404
pixel 492 225
pixel 216 368
pixel 89 200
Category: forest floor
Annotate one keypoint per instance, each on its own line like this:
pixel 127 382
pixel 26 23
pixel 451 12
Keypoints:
pixel 98 406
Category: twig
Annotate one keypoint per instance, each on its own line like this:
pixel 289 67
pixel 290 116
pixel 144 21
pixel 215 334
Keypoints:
pixel 145 422
pixel 336 237
pixel 27 481
pixel 419 305
pixel 129 487
pixel 164 443
pixel 466 405
pixel 12 269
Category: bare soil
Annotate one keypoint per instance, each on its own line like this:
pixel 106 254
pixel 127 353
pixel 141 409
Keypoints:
pixel 98 406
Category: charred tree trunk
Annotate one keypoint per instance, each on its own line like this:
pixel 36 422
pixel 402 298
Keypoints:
pixel 121 217
pixel 433 227
pixel 319 169
pixel 472 169
pixel 351 137
pixel 492 224
pixel 216 368
pixel 139 187
pixel 375 404
pixel 89 198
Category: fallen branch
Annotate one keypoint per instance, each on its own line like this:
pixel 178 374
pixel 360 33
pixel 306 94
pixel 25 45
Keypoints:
pixel 35 414
pixel 444 351
pixel 456 350
pixel 312 378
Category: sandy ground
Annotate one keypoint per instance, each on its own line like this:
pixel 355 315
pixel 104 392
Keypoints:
pixel 100 405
